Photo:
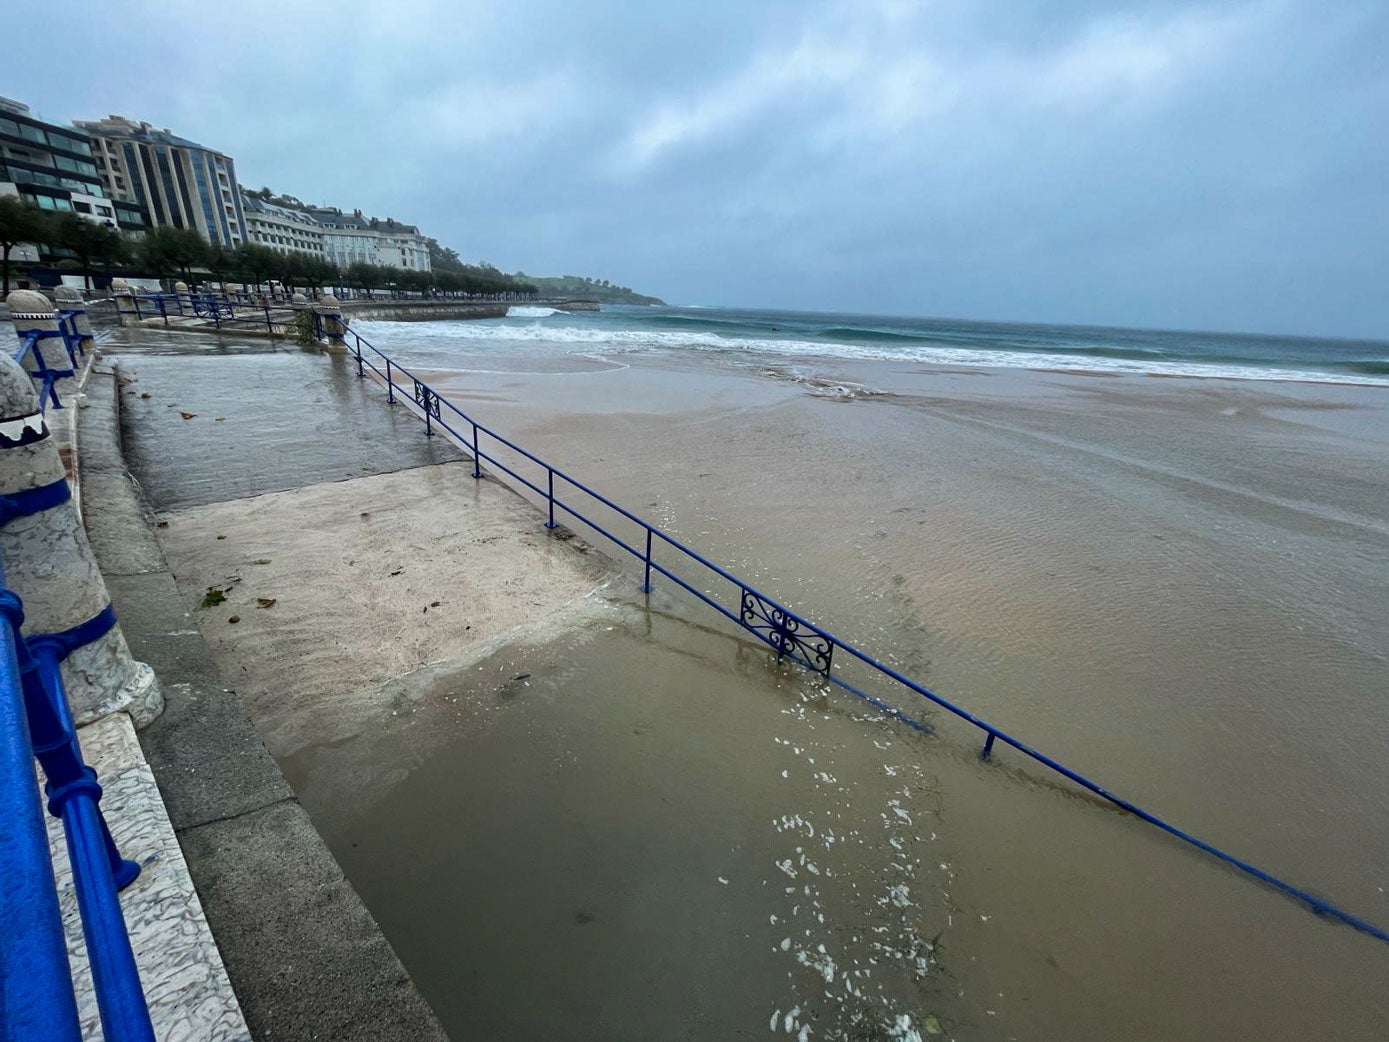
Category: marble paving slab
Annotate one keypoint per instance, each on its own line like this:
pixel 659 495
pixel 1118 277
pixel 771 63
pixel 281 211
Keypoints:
pixel 181 969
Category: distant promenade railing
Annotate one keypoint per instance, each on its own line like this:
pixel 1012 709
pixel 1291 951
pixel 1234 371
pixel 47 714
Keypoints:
pixel 235 311
pixel 37 1003
pixel 789 634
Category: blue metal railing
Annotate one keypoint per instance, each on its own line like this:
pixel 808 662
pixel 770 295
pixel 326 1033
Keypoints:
pixel 30 355
pixel 789 634
pixel 36 993
pixel 240 311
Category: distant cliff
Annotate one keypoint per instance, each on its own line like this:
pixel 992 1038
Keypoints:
pixel 578 286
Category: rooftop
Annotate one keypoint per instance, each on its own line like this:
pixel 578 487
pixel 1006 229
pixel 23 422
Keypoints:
pixel 124 127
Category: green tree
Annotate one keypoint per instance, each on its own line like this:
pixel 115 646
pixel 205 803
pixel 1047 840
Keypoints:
pixel 87 240
pixel 253 264
pixel 168 249
pixel 443 258
pixel 221 262
pixel 20 221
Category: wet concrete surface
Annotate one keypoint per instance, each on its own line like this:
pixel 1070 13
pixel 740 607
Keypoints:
pixel 226 419
pixel 311 962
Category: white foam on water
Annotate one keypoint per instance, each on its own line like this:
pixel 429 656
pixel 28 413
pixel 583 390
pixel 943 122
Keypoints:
pixel 530 311
pixel 620 341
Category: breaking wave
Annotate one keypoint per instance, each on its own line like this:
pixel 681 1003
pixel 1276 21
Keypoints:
pixel 605 339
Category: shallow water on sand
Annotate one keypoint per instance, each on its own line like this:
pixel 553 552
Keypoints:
pixel 1174 586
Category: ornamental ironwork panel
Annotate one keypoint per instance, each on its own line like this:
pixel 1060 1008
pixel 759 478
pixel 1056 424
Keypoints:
pixel 427 399
pixel 787 634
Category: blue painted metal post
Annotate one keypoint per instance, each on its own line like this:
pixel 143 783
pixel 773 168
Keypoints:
pixel 71 341
pixel 988 746
pixel 98 870
pixel 646 580
pixel 551 522
pixel 162 312
pixel 477 460
pixel 34 976
pixel 390 382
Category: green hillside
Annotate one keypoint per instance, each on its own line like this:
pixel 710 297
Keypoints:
pixel 592 289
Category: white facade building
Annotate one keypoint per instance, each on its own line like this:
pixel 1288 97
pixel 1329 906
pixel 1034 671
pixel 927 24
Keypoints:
pixel 350 238
pixel 282 228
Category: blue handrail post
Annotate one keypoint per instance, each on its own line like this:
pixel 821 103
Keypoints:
pixel 646 579
pixel 551 522
pixel 988 746
pixel 390 383
pixel 477 459
pixel 35 979
pixel 98 871
pixel 72 342
pixel 46 377
pixel 56 745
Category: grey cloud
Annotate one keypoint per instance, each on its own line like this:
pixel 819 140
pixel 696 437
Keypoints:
pixel 1209 165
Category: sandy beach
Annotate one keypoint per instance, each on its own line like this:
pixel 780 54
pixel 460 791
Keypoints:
pixel 1173 585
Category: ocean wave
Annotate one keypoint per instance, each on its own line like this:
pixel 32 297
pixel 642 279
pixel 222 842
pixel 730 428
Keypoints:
pixel 529 311
pixel 1369 366
pixel 860 333
pixel 622 341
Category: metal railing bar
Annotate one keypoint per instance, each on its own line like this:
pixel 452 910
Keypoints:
pixel 668 539
pixel 34 972
pixel 992 732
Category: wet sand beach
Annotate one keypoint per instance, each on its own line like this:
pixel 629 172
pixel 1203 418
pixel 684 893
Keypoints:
pixel 642 826
pixel 1174 586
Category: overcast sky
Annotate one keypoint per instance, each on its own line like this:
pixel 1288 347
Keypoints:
pixel 1182 165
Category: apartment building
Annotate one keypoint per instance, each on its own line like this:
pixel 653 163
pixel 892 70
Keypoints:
pixel 282 228
pixel 178 182
pixel 53 167
pixel 400 245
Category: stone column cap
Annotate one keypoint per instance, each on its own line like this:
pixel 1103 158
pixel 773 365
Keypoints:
pixel 29 303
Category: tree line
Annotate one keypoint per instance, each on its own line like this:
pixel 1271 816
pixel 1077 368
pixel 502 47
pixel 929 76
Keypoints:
pixel 182 253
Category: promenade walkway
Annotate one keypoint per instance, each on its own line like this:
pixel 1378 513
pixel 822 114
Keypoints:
pixel 266 474
pixel 304 956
